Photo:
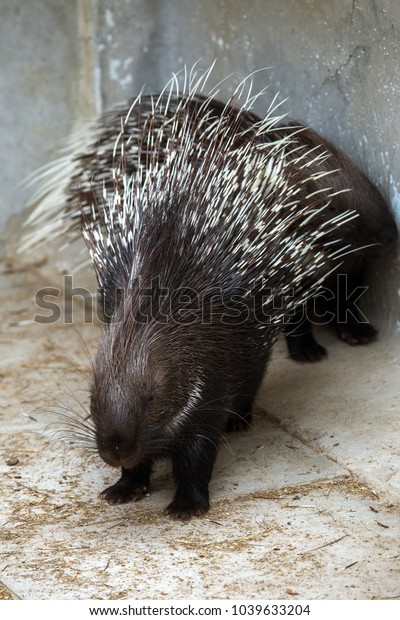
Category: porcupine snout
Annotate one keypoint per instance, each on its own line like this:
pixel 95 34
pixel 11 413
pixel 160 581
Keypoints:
pixel 131 402
pixel 118 442
pixel 117 451
pixel 115 414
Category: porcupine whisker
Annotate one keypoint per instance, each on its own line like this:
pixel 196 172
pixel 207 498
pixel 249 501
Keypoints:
pixel 209 440
pixel 52 397
pixel 219 398
pixel 72 439
pixel 83 420
pixel 72 454
pixel 65 409
pixel 75 439
pixel 73 394
pixel 70 433
pixel 240 416
pixel 208 406
pixel 65 412
pixel 73 419
pixel 204 437
pixel 232 412
pixel 86 349
pixel 224 441
pixel 81 373
pixel 71 449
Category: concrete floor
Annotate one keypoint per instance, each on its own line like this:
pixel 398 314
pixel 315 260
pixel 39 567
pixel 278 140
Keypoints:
pixel 305 505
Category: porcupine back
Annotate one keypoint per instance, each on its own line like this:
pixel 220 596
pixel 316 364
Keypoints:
pixel 76 180
pixel 375 227
pixel 245 189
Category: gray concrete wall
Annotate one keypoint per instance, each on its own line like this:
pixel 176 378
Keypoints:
pixel 39 60
pixel 336 62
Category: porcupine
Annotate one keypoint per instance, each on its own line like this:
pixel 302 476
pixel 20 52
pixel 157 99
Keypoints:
pixel 200 253
pixel 72 182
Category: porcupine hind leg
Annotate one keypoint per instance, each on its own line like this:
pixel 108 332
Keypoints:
pixel 351 325
pixel 133 485
pixel 192 466
pixel 300 341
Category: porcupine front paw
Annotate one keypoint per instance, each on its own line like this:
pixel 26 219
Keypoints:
pixel 186 507
pixel 132 486
pixel 192 467
pixel 121 493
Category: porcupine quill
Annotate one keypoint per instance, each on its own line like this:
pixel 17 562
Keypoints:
pixel 72 184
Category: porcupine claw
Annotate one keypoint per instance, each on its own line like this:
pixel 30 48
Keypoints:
pixel 133 485
pixel 182 508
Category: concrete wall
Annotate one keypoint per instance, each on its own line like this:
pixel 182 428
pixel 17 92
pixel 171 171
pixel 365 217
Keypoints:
pixel 336 62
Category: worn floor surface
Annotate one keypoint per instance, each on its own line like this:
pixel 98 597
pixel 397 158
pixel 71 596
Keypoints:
pixel 305 504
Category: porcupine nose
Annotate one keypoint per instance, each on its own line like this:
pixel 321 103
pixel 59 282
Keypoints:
pixel 118 452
